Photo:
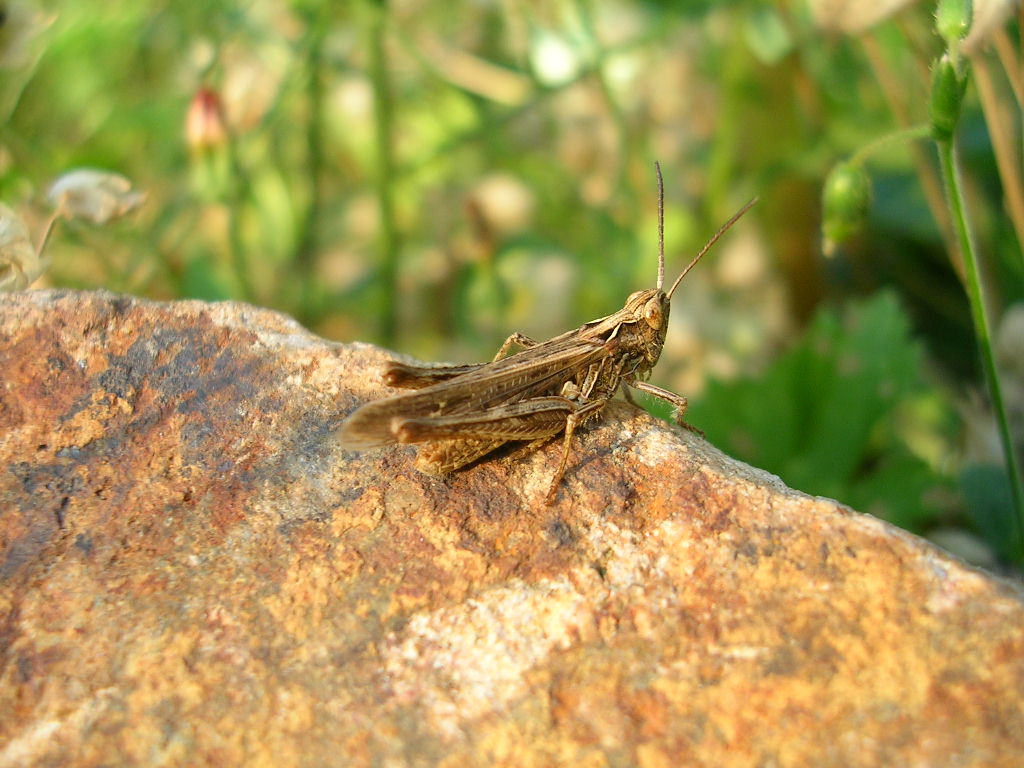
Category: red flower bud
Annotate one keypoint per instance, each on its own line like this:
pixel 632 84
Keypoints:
pixel 205 126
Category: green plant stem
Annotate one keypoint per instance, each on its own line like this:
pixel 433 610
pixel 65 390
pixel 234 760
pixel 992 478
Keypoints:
pixel 308 244
pixel 47 232
pixel 1004 143
pixel 383 104
pixel 618 117
pixel 979 312
pixel 721 163
pixel 238 191
pixel 907 134
pixel 894 88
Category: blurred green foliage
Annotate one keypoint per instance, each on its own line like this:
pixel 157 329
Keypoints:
pixel 435 176
pixel 847 413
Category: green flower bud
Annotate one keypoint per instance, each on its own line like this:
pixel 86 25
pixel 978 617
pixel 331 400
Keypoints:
pixel 845 202
pixel 947 98
pixel 952 20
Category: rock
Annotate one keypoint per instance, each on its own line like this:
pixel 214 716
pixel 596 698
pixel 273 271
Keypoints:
pixel 194 573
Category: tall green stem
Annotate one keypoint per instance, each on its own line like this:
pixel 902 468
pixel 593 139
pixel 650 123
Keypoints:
pixel 383 104
pixel 238 192
pixel 982 328
pixel 306 249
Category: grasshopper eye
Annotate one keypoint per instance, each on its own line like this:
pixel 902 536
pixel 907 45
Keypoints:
pixel 653 314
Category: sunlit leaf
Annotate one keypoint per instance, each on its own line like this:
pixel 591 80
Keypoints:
pixel 554 59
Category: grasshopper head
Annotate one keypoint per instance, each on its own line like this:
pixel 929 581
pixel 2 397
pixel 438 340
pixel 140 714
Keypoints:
pixel 650 307
pixel 648 314
pixel 647 311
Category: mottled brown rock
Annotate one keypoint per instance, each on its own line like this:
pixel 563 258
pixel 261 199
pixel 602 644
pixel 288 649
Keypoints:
pixel 193 573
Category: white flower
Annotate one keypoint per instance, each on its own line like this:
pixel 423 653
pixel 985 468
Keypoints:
pixel 97 196
pixel 20 265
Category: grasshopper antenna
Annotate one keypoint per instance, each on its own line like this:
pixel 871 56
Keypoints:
pixel 707 247
pixel 661 225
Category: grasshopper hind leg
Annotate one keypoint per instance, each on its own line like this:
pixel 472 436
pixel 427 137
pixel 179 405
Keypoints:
pixel 445 456
pixel 406 376
pixel 515 340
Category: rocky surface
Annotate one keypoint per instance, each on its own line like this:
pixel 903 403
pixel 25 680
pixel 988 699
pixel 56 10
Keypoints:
pixel 193 573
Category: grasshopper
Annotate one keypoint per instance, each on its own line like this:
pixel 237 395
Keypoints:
pixel 458 414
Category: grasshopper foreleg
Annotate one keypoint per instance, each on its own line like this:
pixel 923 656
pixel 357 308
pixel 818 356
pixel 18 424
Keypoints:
pixel 628 395
pixel 679 401
pixel 575 418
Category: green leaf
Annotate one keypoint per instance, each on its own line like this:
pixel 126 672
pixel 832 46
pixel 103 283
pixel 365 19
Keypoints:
pixel 986 489
pixel 824 415
pixel 201 281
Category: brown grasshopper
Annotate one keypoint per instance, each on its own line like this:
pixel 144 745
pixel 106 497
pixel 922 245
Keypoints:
pixel 460 413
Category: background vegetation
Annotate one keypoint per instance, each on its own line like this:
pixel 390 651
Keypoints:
pixel 432 176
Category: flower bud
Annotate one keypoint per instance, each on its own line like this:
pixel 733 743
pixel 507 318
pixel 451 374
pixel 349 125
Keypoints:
pixel 952 20
pixel 947 96
pixel 845 202
pixel 205 126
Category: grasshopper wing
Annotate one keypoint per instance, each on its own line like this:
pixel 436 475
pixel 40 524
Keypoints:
pixel 534 372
